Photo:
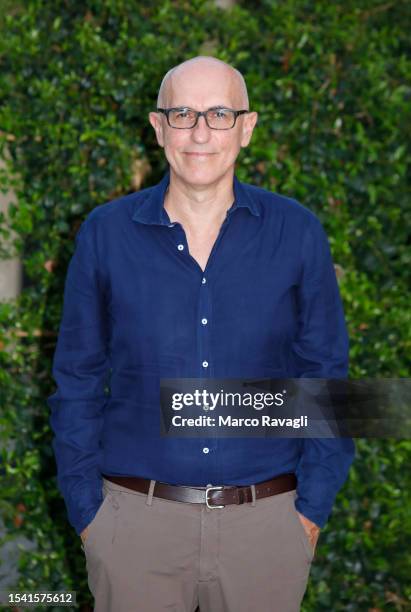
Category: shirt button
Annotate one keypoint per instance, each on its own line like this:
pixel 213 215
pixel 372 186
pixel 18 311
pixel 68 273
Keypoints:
pixel 204 321
pixel 205 364
pixel 171 225
pixel 204 280
pixel 180 247
pixel 206 450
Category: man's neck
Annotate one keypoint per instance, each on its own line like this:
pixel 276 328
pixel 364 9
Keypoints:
pixel 198 208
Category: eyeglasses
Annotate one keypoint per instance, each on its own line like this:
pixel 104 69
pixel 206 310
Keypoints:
pixel 217 118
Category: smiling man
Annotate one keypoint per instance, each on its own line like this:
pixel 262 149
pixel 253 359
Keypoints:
pixel 200 276
pixel 202 156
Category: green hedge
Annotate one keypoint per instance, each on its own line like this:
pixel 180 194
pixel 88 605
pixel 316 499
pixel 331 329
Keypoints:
pixel 331 82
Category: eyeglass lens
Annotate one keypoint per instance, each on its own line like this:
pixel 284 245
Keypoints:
pixel 220 118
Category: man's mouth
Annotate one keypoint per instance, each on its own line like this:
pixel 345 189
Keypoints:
pixel 197 154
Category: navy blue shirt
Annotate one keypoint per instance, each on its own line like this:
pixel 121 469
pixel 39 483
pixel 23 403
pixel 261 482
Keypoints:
pixel 137 308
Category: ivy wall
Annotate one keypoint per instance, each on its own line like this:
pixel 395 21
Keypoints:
pixel 331 83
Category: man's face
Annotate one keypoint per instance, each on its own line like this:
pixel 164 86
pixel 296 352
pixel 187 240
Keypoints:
pixel 201 155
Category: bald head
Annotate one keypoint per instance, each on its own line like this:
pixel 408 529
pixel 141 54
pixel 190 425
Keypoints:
pixel 200 156
pixel 208 69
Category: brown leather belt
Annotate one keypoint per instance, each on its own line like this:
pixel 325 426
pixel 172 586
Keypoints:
pixel 212 496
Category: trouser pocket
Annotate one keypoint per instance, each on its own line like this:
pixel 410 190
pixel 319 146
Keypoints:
pixel 299 527
pixel 102 529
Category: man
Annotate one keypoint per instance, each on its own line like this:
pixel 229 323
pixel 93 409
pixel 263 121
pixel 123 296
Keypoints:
pixel 200 276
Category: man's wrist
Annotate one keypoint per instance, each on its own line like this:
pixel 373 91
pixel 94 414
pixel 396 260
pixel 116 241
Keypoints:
pixel 312 530
pixel 83 534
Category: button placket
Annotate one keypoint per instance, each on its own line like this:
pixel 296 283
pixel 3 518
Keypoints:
pixel 179 237
pixel 205 307
pixel 204 331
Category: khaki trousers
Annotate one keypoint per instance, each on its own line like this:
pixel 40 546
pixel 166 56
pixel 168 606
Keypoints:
pixel 146 554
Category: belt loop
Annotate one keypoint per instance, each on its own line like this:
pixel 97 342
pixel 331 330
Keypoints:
pixel 150 493
pixel 253 494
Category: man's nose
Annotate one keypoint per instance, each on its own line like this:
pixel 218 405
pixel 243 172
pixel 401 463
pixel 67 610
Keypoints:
pixel 201 132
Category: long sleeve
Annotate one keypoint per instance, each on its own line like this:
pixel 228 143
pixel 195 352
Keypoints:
pixel 80 369
pixel 320 351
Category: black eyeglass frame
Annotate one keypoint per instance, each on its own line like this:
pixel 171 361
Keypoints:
pixel 166 112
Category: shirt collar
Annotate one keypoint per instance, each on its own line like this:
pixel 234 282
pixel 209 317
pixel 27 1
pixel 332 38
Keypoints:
pixel 152 212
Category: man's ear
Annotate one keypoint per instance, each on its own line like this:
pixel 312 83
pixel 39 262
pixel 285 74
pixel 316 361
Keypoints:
pixel 157 123
pixel 249 123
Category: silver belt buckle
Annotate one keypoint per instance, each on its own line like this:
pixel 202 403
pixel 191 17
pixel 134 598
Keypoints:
pixel 211 488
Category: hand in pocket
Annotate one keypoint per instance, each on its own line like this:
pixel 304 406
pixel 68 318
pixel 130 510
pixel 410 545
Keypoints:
pixel 311 529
